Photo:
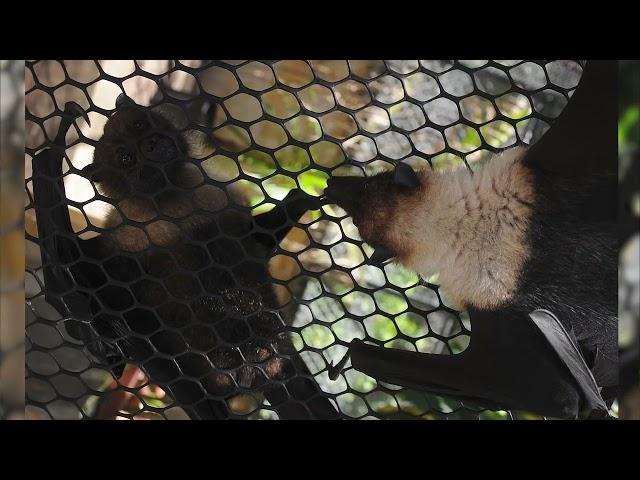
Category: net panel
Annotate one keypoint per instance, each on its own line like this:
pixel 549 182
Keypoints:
pixel 258 130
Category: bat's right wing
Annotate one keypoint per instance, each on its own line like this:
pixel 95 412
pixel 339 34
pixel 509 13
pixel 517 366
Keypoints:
pixel 59 246
pixel 583 140
pixel 565 345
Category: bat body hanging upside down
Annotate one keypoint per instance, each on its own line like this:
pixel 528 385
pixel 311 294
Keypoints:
pixel 177 283
pixel 529 250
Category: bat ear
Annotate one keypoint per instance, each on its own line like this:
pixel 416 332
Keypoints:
pixel 123 100
pixel 405 176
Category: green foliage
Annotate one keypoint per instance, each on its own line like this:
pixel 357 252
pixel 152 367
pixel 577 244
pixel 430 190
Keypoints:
pixel 629 127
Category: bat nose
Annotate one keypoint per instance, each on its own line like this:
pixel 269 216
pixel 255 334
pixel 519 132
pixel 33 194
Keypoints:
pixel 342 190
pixel 91 172
pixel 158 148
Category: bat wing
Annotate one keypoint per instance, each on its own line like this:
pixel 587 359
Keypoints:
pixel 508 364
pixel 60 248
pixel 565 345
pixel 583 140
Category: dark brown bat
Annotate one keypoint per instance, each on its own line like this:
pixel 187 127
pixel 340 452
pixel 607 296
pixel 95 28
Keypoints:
pixel 177 282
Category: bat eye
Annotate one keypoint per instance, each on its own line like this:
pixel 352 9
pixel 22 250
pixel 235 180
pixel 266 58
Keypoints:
pixel 126 160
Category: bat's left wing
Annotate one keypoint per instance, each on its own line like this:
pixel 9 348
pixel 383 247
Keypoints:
pixel 508 363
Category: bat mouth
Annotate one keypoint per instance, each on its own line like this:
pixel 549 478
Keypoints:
pixel 344 192
pixel 158 148
pixel 92 173
pixel 144 179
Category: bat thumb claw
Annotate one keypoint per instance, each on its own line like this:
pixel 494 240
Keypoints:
pixel 72 108
pixel 334 370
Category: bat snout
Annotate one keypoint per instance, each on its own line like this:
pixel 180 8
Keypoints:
pixel 158 148
pixel 343 191
pixel 92 172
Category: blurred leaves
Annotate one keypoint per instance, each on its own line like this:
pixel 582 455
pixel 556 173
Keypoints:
pixel 629 127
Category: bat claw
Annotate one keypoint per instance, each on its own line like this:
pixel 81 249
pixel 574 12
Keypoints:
pixel 72 108
pixel 334 370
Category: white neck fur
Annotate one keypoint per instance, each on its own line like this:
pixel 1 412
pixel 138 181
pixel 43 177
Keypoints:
pixel 472 229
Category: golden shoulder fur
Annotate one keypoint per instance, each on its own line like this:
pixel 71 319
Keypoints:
pixel 477 236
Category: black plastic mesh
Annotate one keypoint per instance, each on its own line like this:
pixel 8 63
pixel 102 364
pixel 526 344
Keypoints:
pixel 264 128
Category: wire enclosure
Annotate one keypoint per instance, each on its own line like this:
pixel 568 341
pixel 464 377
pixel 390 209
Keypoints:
pixel 260 129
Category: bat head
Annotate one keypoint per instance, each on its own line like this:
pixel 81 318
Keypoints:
pixel 138 152
pixel 374 203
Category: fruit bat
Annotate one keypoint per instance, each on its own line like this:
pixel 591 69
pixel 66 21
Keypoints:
pixel 527 245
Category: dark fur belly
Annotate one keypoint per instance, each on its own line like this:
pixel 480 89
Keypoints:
pixel 572 270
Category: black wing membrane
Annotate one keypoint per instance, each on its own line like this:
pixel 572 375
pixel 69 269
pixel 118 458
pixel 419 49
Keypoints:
pixel 508 364
pixel 52 216
pixel 566 346
pixel 59 245
pixel 586 131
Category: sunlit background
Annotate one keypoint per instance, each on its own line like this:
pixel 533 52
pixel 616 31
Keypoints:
pixel 629 216
pixel 12 254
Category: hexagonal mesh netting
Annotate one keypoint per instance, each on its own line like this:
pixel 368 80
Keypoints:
pixel 238 346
